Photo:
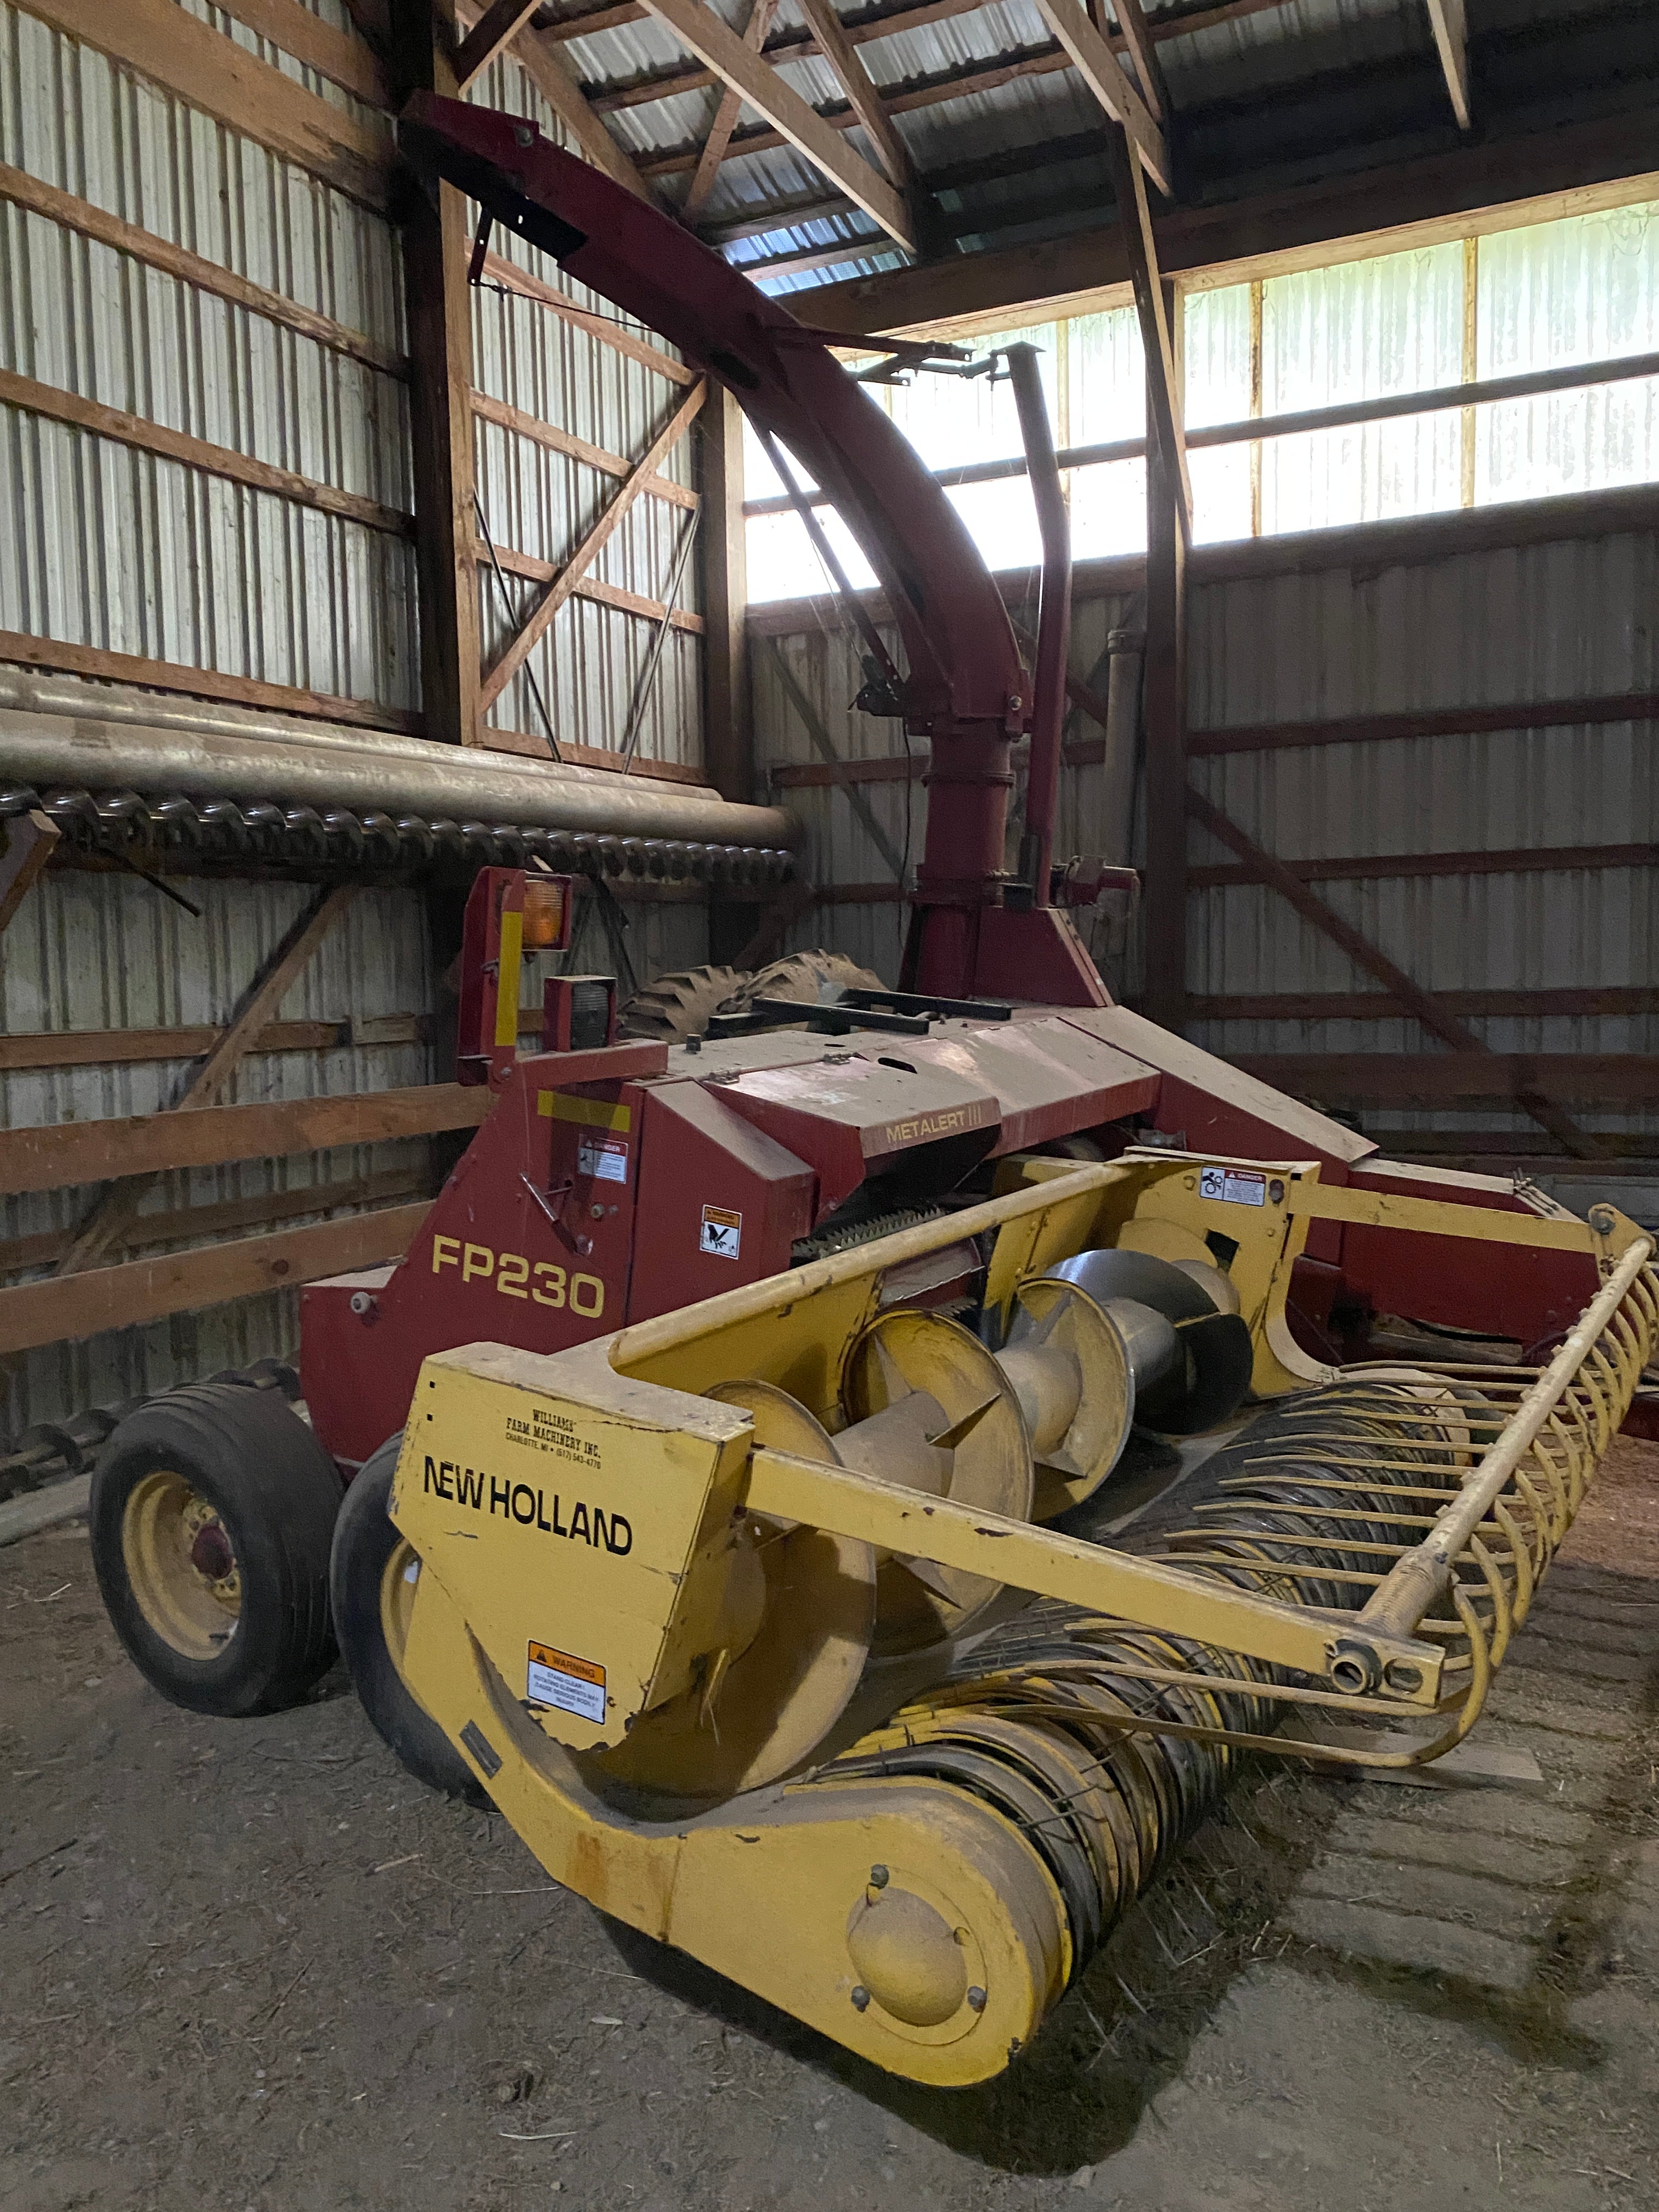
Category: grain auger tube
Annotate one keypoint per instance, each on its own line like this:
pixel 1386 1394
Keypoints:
pixel 739 1617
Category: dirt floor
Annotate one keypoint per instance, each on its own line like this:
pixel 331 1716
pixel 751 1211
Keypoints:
pixel 252 1964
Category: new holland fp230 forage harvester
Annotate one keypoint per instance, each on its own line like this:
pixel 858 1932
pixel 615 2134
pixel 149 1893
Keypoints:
pixel 730 1461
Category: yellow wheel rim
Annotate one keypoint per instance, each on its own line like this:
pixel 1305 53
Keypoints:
pixel 397 1579
pixel 181 1566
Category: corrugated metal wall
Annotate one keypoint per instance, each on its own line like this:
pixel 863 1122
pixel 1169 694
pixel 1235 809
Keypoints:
pixel 109 546
pixel 1552 621
pixel 1571 619
pixel 543 502
pixel 99 952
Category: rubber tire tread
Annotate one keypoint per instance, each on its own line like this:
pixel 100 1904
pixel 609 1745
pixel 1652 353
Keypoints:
pixel 673 1007
pixel 277 1491
pixel 365 1538
pixel 805 976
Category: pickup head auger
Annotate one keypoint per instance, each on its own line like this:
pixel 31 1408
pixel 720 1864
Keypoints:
pixel 743 1618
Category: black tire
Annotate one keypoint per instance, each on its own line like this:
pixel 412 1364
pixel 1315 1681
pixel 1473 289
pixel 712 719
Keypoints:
pixel 368 1548
pixel 238 1467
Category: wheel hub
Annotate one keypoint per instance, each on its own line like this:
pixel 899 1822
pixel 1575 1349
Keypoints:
pixel 181 1565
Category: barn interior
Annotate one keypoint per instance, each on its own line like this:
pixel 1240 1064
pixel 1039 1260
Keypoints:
pixel 784 711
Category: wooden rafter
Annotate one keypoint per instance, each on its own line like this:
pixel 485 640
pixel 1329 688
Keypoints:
pixel 716 44
pixel 494 31
pixel 1389 207
pixel 26 845
pixel 842 57
pixel 1163 372
pixel 1104 74
pixel 559 86
pixel 726 118
pixel 796 44
pixel 513 657
pixel 1138 37
pixel 1451 42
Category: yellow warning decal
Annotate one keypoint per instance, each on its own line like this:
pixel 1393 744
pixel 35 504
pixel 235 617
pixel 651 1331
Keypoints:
pixel 590 1113
pixel 568 1684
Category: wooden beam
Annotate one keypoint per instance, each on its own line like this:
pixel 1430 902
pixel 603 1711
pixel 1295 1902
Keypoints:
pixel 1502 183
pixel 578 449
pixel 148 437
pixel 533 746
pixel 28 1048
pixel 1535 859
pixel 344 58
pixel 70 1307
pixel 1152 310
pixel 1449 1027
pixel 589 587
pixel 832 773
pixel 169 48
pixel 1139 39
pixel 27 842
pixel 1451 43
pixel 232 1216
pixel 794 44
pixel 115 1208
pixel 842 57
pixel 714 41
pixel 1164 743
pixel 725 117
pixel 601 327
pixel 438 309
pixel 105 667
pixel 1450 1078
pixel 1615 999
pixel 559 86
pixel 1429 722
pixel 728 719
pixel 1101 71
pixel 512 659
pixel 73 1153
pixel 160 253
pixel 816 256
pixel 373 22
pixel 491 34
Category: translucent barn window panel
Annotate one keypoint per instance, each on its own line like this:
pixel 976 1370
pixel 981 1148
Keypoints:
pixel 1108 509
pixel 1362 330
pixel 1217 328
pixel 1556 294
pixel 1370 472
